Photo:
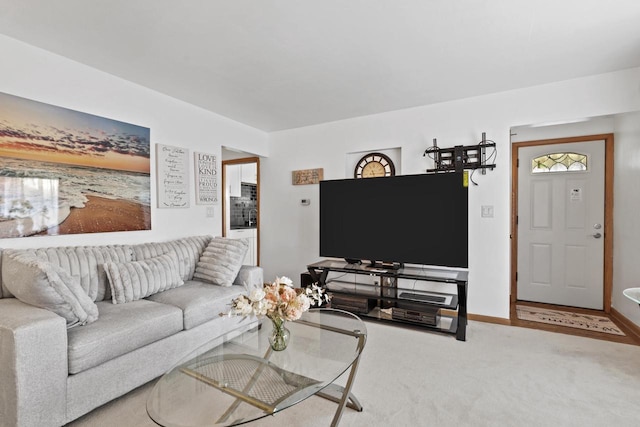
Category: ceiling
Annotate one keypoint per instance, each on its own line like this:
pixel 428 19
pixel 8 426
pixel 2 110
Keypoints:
pixel 280 64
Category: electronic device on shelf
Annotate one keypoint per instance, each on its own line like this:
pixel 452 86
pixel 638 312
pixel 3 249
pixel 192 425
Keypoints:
pixel 424 316
pixel 437 299
pixel 352 303
pixel 412 219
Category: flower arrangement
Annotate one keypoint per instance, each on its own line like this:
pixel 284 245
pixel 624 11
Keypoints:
pixel 279 301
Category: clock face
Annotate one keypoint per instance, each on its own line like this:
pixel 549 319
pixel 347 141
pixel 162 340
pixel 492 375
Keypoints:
pixel 374 165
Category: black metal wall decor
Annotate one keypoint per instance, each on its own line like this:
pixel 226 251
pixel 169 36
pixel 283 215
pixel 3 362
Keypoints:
pixel 461 157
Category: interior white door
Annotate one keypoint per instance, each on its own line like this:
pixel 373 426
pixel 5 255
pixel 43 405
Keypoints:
pixel 561 227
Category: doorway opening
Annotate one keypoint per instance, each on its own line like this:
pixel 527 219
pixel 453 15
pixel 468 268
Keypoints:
pixel 604 232
pixel 241 203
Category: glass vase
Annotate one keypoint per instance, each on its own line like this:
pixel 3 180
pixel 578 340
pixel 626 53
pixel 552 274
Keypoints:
pixel 279 338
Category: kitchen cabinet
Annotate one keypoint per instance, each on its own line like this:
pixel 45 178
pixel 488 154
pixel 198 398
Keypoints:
pixel 238 174
pixel 249 173
pixel 234 180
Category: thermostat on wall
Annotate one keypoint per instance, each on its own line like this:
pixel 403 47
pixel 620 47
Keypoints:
pixel 305 202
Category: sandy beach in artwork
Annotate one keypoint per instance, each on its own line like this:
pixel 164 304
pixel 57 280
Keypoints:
pixel 104 215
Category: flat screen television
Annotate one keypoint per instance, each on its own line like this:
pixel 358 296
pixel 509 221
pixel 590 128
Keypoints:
pixel 413 219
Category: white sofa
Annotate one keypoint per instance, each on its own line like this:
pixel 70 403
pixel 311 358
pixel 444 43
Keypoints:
pixel 51 374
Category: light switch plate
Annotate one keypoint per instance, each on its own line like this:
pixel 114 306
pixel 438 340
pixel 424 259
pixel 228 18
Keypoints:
pixel 487 211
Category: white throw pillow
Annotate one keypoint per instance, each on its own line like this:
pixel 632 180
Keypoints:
pixel 131 281
pixel 45 285
pixel 221 260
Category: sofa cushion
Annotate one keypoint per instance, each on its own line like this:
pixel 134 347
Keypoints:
pixel 45 285
pixel 88 261
pixel 221 260
pixel 131 281
pixel 84 262
pixel 199 302
pixel 188 250
pixel 121 328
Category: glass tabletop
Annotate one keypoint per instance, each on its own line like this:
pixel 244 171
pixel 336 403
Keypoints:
pixel 633 294
pixel 242 379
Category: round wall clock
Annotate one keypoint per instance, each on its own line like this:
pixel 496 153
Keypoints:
pixel 374 165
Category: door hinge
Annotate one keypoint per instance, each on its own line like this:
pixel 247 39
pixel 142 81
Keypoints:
pixel 518 162
pixel 517 217
pixel 516 276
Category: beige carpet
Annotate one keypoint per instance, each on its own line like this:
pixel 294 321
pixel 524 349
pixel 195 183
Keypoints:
pixel 501 376
pixel 566 318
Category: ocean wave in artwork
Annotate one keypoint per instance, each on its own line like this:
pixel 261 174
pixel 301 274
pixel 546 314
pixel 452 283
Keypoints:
pixel 36 196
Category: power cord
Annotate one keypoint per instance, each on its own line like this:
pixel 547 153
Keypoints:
pixel 491 159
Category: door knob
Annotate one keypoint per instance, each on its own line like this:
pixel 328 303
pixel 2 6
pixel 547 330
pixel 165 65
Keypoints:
pixel 597 235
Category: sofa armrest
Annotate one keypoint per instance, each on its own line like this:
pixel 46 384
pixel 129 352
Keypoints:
pixel 251 277
pixel 33 365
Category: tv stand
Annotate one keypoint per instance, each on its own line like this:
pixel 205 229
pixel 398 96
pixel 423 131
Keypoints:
pixel 386 301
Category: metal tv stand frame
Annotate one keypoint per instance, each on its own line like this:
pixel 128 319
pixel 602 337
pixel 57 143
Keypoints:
pixel 438 311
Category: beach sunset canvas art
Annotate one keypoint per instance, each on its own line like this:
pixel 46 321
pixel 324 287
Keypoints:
pixel 67 172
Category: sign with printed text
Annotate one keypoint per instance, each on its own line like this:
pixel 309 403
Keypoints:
pixel 206 179
pixel 173 170
pixel 307 176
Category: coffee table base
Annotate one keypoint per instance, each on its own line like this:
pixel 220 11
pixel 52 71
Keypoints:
pixel 258 385
pixel 337 394
pixel 342 395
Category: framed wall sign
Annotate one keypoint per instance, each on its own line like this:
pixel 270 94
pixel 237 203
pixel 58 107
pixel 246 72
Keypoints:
pixel 172 176
pixel 307 176
pixel 206 171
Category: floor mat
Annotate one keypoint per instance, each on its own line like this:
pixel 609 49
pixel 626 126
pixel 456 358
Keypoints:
pixel 565 318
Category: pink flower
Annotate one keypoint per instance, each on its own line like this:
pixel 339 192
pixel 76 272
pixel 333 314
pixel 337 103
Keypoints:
pixel 293 313
pixel 287 294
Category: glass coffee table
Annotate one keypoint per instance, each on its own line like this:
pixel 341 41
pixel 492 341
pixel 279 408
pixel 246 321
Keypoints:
pixel 243 380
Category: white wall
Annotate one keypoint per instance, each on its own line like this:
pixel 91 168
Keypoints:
pixel 36 74
pixel 290 231
pixel 626 208
pixel 590 126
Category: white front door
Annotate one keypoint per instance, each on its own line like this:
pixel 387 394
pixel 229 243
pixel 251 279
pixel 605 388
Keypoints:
pixel 561 224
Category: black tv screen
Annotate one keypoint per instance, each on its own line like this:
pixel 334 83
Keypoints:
pixel 414 219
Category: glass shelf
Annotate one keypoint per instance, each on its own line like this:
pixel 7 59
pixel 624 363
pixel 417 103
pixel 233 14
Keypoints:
pixel 387 300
